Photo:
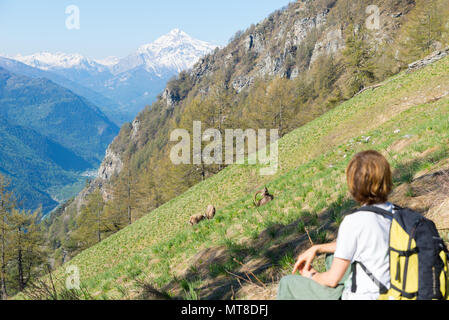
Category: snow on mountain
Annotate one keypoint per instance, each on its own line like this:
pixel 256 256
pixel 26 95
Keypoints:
pixel 132 82
pixel 52 61
pixel 175 51
pixel 108 61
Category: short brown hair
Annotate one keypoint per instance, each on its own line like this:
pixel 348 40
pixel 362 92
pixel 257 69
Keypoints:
pixel 369 178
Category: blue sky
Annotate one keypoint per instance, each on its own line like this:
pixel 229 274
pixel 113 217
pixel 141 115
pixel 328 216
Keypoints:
pixel 117 27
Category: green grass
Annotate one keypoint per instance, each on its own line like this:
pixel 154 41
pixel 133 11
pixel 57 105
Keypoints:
pixel 310 181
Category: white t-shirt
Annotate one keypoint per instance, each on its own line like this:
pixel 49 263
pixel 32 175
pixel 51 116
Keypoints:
pixel 364 237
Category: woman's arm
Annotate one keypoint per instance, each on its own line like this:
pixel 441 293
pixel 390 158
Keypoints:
pixel 304 261
pixel 327 248
pixel 332 277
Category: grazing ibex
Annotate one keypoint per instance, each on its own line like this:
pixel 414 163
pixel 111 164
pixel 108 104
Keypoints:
pixel 210 212
pixel 196 219
pixel 267 197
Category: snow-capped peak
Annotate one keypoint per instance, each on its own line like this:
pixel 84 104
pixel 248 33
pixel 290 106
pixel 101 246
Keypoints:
pixel 108 61
pixel 59 60
pixel 172 52
pixel 175 51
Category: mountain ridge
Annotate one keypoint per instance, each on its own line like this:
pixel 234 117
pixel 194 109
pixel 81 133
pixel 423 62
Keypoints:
pixel 131 82
pixel 174 40
pixel 109 107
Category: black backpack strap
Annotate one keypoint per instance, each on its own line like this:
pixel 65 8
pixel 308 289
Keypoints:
pixel 377 210
pixel 354 277
pixel 382 288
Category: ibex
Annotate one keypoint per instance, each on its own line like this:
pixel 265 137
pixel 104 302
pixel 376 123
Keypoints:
pixel 196 219
pixel 267 197
pixel 210 212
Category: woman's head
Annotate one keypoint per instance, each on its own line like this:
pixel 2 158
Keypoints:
pixel 369 178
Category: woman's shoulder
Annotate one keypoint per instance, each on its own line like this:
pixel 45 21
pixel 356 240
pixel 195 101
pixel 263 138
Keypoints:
pixel 366 216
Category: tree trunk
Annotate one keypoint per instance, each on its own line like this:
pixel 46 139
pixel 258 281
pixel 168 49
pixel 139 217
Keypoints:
pixel 20 267
pixel 3 266
pixel 129 197
pixel 203 172
pixel 281 121
pixel 99 227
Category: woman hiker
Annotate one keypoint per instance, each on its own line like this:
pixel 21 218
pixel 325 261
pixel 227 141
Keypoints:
pixel 363 237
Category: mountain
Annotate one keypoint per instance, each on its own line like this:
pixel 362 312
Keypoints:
pixel 110 108
pixel 169 54
pixel 132 82
pixel 331 87
pixel 50 136
pixel 63 62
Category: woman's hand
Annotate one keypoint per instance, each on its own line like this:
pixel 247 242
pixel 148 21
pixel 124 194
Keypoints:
pixel 308 273
pixel 304 262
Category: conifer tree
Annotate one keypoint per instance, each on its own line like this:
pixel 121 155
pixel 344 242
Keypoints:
pixel 27 250
pixel 119 211
pixel 273 105
pixel 7 204
pixel 90 223
pixel 359 59
pixel 426 29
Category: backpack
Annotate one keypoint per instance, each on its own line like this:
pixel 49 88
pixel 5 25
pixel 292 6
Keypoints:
pixel 418 258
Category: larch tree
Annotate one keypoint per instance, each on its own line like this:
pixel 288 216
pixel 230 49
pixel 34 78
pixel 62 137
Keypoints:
pixel 273 105
pixel 7 204
pixel 27 246
pixel 90 223
pixel 359 59
pixel 426 29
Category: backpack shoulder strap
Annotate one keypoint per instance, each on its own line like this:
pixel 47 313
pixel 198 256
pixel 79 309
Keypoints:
pixel 378 210
pixel 382 288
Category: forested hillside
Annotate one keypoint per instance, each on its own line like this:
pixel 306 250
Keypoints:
pixel 287 70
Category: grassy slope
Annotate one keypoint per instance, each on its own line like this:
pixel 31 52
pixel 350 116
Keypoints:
pixel 312 158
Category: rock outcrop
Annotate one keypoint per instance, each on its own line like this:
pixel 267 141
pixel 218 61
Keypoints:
pixel 331 44
pixel 111 165
pixel 433 57
pixel 169 99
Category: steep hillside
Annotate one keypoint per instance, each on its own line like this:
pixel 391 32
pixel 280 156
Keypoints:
pixel 49 137
pixel 405 117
